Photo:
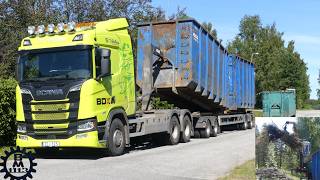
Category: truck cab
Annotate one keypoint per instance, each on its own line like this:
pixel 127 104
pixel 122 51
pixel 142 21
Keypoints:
pixel 72 79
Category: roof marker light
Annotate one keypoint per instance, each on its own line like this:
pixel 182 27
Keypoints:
pixel 78 37
pixel 41 29
pixel 60 27
pixel 71 26
pixel 51 28
pixel 31 30
pixel 26 42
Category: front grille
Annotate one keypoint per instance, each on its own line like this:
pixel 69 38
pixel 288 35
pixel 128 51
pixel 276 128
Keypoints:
pixel 50 111
pixel 51 119
pixel 50 116
pixel 50 107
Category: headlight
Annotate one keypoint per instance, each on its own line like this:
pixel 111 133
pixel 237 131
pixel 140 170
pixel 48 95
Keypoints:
pixel 21 128
pixel 51 28
pixel 86 126
pixel 71 26
pixel 60 27
pixel 41 29
pixel 31 30
pixel 25 91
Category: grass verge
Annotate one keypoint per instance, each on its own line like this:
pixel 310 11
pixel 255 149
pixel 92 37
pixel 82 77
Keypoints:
pixel 245 171
pixel 257 112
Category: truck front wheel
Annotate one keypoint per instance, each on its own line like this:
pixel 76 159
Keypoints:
pixel 116 140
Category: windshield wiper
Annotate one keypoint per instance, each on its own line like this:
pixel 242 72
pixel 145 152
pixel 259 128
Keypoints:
pixel 32 80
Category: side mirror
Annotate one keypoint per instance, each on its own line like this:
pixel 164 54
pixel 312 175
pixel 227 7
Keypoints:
pixel 105 63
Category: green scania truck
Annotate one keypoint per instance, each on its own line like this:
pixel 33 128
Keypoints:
pixel 78 86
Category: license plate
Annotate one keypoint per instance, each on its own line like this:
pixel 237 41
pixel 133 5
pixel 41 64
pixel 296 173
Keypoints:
pixel 50 144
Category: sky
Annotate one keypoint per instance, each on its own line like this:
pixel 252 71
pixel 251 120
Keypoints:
pixel 277 121
pixel 299 20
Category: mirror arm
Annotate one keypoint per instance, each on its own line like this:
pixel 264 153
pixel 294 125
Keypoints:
pixel 102 76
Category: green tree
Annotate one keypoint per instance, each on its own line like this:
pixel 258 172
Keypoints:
pixel 262 141
pixel 7 112
pixel 209 27
pixel 271 156
pixel 278 67
pixel 318 90
pixel 309 129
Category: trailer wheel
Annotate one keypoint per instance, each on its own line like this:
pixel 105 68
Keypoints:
pixel 215 130
pixel 186 130
pixel 250 124
pixel 116 140
pixel 244 125
pixel 174 131
pixel 196 133
pixel 206 132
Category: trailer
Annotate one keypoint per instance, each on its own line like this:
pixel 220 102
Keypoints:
pixel 77 85
pixel 279 103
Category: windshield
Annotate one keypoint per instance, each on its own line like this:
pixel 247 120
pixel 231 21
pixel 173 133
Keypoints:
pixel 71 64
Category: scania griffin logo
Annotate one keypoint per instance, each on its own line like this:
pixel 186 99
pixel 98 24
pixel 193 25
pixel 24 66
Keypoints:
pixel 50 92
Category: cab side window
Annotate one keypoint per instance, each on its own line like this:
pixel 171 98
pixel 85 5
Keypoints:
pixel 98 62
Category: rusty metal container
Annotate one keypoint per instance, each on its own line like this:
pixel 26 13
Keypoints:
pixel 182 63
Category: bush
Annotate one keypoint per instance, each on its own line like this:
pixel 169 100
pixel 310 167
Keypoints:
pixel 7 112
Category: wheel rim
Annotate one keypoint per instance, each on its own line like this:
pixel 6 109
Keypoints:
pixel 187 130
pixel 216 129
pixel 208 129
pixel 117 138
pixel 175 132
pixel 246 125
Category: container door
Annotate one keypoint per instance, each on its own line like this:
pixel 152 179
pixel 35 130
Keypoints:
pixel 275 100
pixel 231 81
pixel 285 105
pixel 265 104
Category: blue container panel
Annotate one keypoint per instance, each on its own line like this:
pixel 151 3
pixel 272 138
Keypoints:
pixel 200 61
pixel 316 166
pixel 144 38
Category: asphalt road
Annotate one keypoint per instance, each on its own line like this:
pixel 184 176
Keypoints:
pixel 198 159
pixel 308 113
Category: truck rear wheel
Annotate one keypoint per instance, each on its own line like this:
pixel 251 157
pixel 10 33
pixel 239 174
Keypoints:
pixel 215 130
pixel 116 139
pixel 174 131
pixel 206 132
pixel 186 129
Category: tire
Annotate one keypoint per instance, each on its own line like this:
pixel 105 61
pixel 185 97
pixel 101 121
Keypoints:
pixel 215 130
pixel 186 129
pixel 174 131
pixel 206 132
pixel 196 133
pixel 244 125
pixel 250 125
pixel 116 140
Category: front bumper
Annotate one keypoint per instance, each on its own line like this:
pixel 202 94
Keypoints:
pixel 87 139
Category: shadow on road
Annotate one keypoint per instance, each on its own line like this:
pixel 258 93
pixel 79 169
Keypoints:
pixel 136 144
